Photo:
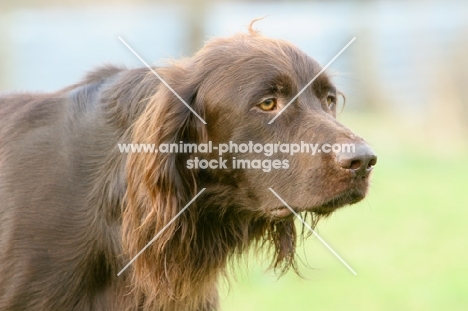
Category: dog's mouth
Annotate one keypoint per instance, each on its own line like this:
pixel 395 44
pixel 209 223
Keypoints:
pixel 348 197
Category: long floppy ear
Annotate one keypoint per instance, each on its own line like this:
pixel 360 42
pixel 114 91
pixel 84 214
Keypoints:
pixel 159 185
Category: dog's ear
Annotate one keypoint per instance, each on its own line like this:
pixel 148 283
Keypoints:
pixel 159 184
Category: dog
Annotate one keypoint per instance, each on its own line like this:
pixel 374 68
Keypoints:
pixel 75 209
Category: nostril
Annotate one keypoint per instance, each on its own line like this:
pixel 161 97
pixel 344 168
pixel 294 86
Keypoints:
pixel 355 165
pixel 372 162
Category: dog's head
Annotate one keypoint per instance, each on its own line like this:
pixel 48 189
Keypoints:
pixel 238 85
pixel 248 81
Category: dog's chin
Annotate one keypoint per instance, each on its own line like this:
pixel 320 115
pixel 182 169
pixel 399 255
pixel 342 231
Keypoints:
pixel 325 208
pixel 348 197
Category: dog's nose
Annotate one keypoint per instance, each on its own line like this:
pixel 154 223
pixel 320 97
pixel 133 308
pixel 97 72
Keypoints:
pixel 361 160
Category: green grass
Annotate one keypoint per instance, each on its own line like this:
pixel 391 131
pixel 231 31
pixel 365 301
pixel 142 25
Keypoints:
pixel 408 242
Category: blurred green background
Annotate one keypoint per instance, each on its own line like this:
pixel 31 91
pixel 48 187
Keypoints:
pixel 405 78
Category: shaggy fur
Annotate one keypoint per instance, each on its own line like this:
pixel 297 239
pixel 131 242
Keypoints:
pixel 74 210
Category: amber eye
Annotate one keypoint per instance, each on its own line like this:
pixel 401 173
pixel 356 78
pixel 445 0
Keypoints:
pixel 331 100
pixel 268 104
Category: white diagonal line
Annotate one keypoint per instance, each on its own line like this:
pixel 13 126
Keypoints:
pixel 160 232
pixel 161 79
pixel 313 79
pixel 313 232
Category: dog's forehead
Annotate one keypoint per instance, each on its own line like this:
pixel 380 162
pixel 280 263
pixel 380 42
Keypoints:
pixel 265 60
pixel 257 46
pixel 288 58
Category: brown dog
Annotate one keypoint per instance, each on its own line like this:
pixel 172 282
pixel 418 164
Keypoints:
pixel 74 209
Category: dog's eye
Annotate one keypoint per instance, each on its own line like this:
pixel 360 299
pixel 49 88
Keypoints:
pixel 331 100
pixel 268 104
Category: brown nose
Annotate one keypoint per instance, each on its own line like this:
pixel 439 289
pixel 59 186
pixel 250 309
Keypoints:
pixel 361 161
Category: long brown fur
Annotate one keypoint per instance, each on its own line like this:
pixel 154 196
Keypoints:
pixel 74 210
